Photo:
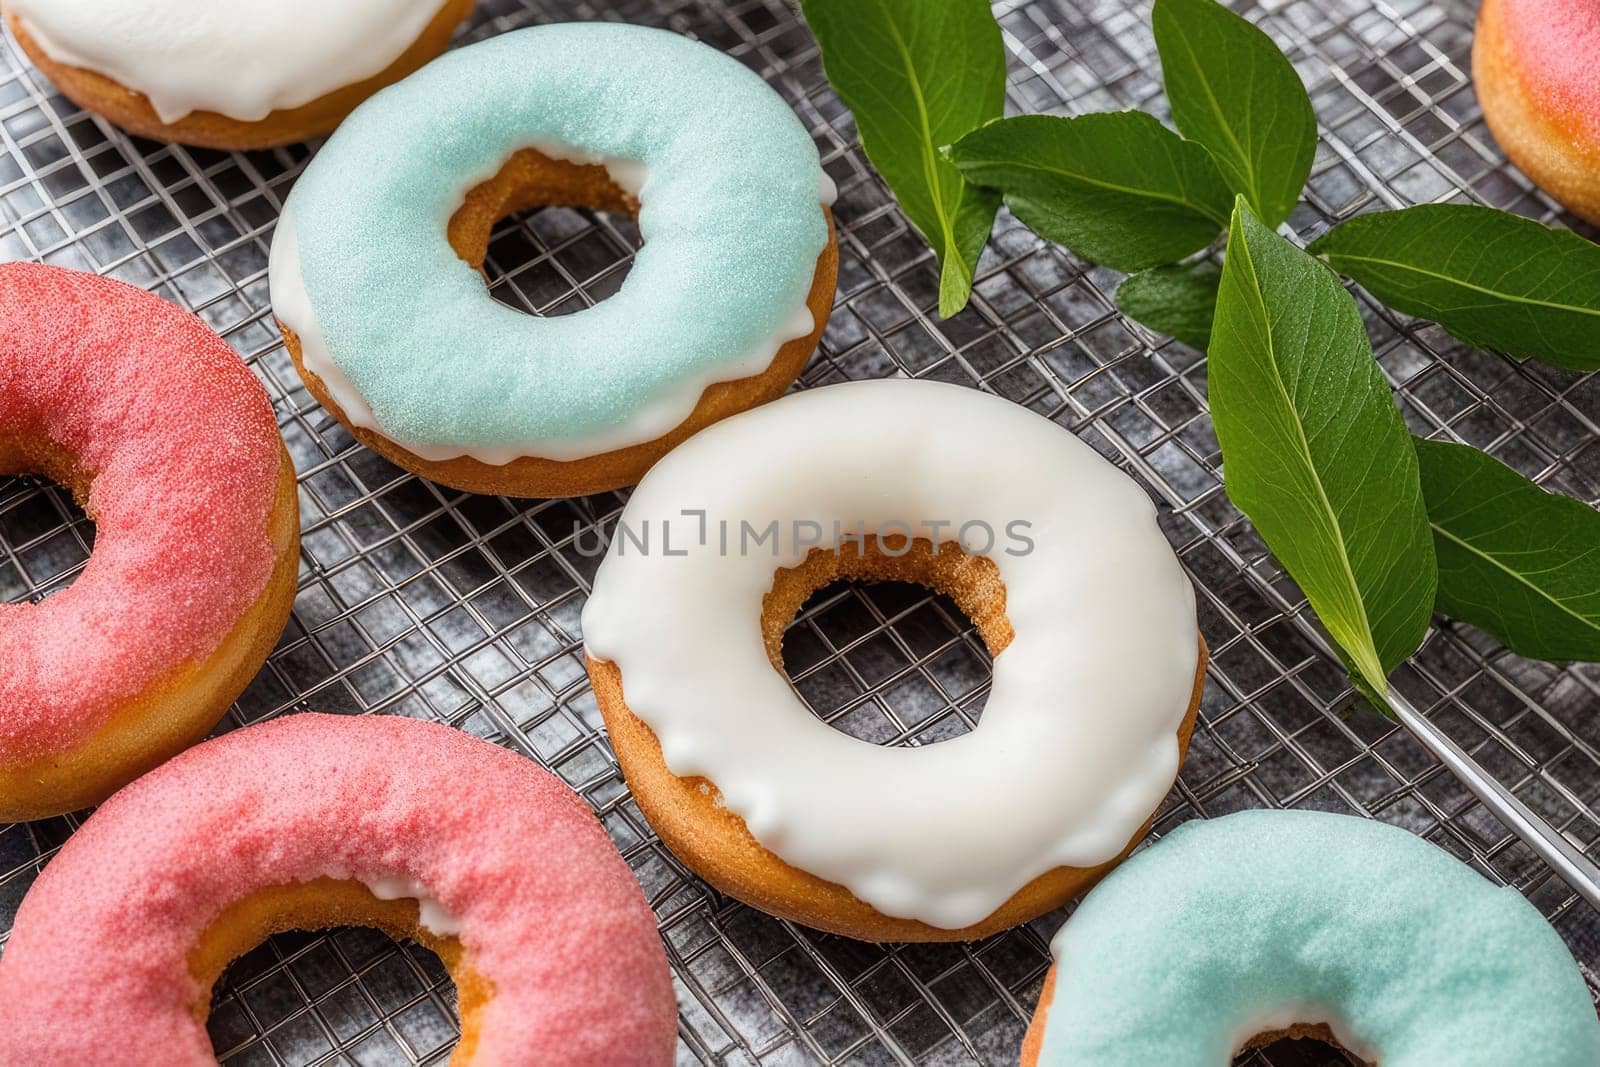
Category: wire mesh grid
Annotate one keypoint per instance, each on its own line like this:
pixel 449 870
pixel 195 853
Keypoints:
pixel 421 601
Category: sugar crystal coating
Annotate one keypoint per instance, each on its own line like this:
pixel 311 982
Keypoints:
pixel 1557 44
pixel 96 968
pixel 1231 927
pixel 729 212
pixel 184 452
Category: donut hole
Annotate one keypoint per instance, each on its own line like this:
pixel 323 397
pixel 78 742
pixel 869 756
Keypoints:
pixel 46 537
pixel 369 981
pixel 1300 1046
pixel 892 645
pixel 549 236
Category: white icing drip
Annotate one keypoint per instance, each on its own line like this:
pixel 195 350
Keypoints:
pixel 1077 743
pixel 829 192
pixel 431 915
pixel 292 306
pixel 240 58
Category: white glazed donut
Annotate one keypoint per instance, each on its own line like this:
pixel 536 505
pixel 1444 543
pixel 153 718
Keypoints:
pixel 229 73
pixel 1069 579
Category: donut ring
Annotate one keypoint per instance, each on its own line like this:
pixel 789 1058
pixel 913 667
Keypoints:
pixel 312 821
pixel 1235 932
pixel 169 443
pixel 1533 67
pixel 723 306
pixel 232 74
pixel 951 841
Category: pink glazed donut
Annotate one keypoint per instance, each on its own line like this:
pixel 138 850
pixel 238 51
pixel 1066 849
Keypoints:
pixel 1533 62
pixel 311 821
pixel 169 443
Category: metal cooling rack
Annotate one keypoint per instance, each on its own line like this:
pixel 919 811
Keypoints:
pixel 421 601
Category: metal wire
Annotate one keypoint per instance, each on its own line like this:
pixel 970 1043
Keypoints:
pixel 418 600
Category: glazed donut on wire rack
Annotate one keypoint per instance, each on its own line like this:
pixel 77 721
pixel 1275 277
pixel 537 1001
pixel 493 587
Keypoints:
pixel 315 821
pixel 1233 933
pixel 1533 65
pixel 399 338
pixel 229 73
pixel 1054 554
pixel 169 444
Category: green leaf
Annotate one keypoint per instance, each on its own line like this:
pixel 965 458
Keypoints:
pixel 1315 452
pixel 917 76
pixel 1234 92
pixel 1118 188
pixel 1491 279
pixel 1177 300
pixel 1514 560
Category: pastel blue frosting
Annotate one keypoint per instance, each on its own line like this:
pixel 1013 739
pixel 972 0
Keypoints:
pixel 730 216
pixel 1223 923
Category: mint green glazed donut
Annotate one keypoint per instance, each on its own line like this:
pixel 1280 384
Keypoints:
pixel 403 333
pixel 1234 927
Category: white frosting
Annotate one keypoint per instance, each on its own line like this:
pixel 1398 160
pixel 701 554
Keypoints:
pixel 432 916
pixel 241 58
pixel 1077 744
pixel 292 307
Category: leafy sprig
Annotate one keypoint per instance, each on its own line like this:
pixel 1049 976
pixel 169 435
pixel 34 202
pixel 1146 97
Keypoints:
pixel 1314 450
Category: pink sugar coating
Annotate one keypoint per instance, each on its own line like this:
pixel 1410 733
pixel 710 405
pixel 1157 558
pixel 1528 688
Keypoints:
pixel 1557 46
pixel 185 454
pixel 95 970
